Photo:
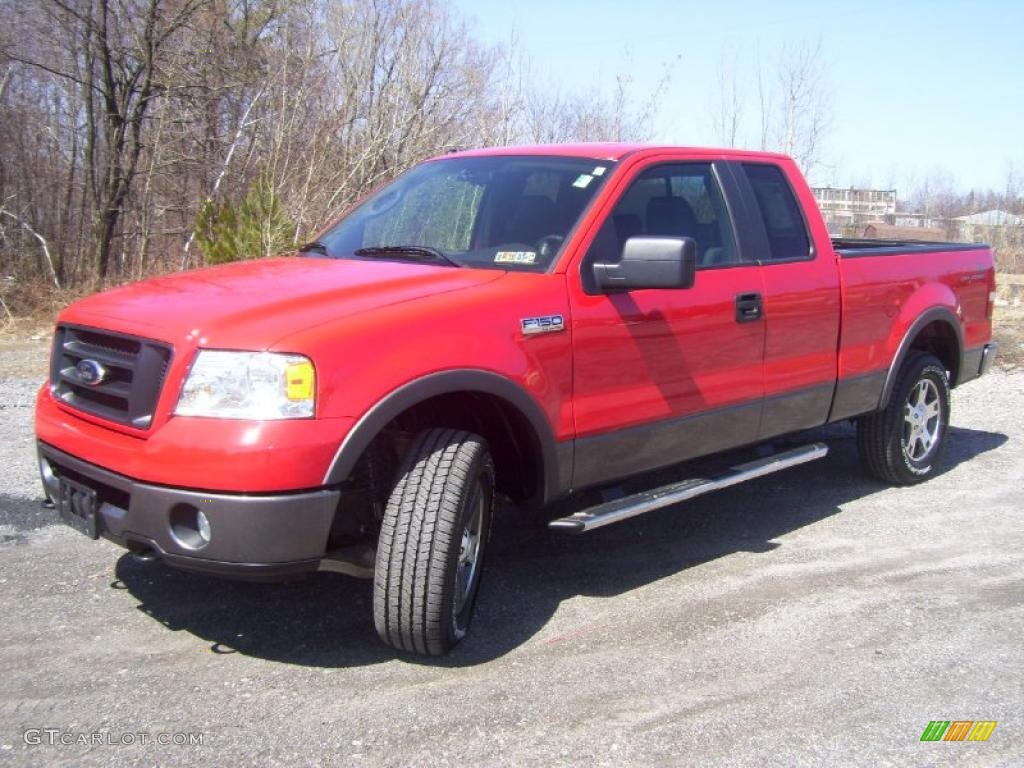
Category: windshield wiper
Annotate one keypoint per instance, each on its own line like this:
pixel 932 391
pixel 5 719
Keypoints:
pixel 418 252
pixel 314 247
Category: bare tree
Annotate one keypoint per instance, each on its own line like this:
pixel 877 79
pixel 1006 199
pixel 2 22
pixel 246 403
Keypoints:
pixel 116 47
pixel 121 119
pixel 764 102
pixel 935 196
pixel 802 108
pixel 43 245
pixel 727 109
pixel 791 103
pixel 551 114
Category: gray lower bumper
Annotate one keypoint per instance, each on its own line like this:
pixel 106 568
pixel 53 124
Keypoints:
pixel 978 361
pixel 256 536
pixel 988 356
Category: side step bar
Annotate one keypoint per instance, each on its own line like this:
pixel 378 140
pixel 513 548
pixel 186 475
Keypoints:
pixel 631 506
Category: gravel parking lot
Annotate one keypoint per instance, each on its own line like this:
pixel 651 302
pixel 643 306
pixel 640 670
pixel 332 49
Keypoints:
pixel 809 618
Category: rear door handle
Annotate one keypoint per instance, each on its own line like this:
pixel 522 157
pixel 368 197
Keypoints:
pixel 749 307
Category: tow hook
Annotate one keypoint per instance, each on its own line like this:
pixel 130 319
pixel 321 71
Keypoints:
pixel 144 555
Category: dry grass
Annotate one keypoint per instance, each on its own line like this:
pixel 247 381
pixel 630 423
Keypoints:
pixel 1008 321
pixel 1008 330
pixel 28 307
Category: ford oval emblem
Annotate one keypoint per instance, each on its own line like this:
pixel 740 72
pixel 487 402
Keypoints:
pixel 90 372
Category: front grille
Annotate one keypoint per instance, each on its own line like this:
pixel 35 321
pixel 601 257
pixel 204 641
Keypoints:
pixel 133 373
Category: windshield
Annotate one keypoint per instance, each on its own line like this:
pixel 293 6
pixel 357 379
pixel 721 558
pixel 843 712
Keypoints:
pixel 498 212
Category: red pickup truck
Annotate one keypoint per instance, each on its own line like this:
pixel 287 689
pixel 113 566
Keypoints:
pixel 524 322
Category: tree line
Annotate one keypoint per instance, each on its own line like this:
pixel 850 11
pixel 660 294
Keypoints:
pixel 139 136
pixel 143 136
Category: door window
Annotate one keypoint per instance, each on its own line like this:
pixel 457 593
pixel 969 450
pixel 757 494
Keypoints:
pixel 671 200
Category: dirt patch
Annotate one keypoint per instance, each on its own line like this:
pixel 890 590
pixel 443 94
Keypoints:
pixel 24 355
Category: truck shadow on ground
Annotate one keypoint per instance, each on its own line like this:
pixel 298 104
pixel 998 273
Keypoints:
pixel 326 620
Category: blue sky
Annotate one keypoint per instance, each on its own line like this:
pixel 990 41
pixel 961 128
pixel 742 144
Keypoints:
pixel 917 88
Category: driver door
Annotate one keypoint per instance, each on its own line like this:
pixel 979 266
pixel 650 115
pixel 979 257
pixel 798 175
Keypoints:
pixel 662 375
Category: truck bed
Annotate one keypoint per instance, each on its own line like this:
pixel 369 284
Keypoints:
pixel 856 247
pixel 883 298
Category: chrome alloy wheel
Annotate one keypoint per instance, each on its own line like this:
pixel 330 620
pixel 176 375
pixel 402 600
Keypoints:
pixel 922 419
pixel 468 567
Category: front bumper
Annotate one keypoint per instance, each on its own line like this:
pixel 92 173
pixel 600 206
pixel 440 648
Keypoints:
pixel 263 536
pixel 219 455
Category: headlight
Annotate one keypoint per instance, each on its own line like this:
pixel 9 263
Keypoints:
pixel 248 385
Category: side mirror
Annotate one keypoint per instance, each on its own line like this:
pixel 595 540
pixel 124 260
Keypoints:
pixel 650 262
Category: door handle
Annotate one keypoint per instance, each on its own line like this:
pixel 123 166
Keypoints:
pixel 749 306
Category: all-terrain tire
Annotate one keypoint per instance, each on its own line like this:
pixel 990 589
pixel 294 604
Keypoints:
pixel 432 541
pixel 902 443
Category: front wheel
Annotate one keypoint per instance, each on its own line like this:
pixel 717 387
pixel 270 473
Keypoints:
pixel 902 443
pixel 432 540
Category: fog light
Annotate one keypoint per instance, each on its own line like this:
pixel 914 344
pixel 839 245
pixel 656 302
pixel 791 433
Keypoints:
pixel 203 526
pixel 189 526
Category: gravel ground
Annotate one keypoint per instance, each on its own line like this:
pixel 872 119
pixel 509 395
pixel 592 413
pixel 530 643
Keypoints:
pixel 809 618
pixel 23 364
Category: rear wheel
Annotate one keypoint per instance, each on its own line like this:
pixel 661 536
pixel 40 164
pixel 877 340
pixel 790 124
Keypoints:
pixel 432 541
pixel 902 443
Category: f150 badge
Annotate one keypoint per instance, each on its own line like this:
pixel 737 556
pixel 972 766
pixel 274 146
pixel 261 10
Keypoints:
pixel 545 324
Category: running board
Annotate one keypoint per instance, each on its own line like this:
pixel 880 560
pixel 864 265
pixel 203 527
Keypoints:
pixel 631 506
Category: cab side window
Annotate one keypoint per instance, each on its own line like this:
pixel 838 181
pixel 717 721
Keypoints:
pixel 670 200
pixel 783 221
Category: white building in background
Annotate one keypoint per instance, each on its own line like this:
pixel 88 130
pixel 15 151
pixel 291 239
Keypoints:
pixel 993 218
pixel 850 207
pixel 919 220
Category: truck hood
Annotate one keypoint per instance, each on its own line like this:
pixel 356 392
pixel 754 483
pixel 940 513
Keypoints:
pixel 252 304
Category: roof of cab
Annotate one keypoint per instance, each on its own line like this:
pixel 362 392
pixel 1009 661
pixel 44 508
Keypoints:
pixel 612 151
pixel 595 151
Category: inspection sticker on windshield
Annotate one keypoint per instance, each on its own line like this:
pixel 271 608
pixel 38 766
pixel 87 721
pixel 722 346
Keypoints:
pixel 598 171
pixel 583 180
pixel 515 257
